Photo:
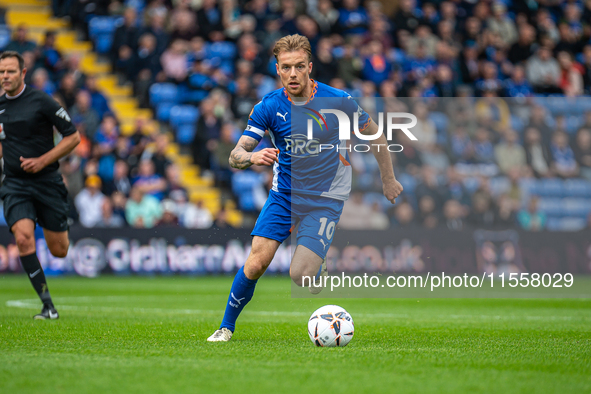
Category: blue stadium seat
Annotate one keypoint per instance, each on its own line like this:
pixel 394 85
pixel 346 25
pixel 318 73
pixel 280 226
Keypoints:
pixel 193 96
pixel 243 185
pixel 200 81
pixel 103 25
pixel 582 105
pixel 528 186
pixel 101 30
pixel 577 207
pixel 499 185
pixel 103 43
pixel 577 188
pixel 4 36
pixel 551 206
pixel 163 111
pixel 185 134
pixel 183 115
pixel 246 202
pixel 164 93
pixel 552 187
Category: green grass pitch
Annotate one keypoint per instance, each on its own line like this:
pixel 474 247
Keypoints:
pixel 147 335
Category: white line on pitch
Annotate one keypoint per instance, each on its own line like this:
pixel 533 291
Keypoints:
pixel 34 304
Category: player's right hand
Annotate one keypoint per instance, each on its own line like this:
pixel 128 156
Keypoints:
pixel 265 157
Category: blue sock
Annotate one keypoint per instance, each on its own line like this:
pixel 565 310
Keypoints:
pixel 240 294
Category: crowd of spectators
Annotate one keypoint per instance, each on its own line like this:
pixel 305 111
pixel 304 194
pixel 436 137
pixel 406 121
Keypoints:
pixel 113 180
pixel 220 54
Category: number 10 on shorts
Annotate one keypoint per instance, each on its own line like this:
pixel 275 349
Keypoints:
pixel 329 229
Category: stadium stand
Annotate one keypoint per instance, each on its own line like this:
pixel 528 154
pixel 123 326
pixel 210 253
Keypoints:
pixel 195 68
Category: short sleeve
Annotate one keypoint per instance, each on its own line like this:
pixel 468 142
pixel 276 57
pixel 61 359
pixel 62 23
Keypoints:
pixel 57 116
pixel 257 122
pixel 351 107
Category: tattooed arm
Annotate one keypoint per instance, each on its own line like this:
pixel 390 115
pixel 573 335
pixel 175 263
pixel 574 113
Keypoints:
pixel 242 156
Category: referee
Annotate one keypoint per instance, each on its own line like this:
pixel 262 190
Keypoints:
pixel 33 190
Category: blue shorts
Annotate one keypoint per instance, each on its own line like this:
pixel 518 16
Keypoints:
pixel 314 217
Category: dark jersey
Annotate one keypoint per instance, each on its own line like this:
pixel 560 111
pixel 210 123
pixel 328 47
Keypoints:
pixel 26 130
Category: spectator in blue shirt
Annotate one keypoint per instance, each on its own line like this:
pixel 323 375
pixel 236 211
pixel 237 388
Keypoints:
pixel 148 181
pixel 376 67
pixel 352 18
pixel 418 66
pixel 517 85
pixel 98 101
pixel 563 157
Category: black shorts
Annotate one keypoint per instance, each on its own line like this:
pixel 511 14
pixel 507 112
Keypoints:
pixel 42 200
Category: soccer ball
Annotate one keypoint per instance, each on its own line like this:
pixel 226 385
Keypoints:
pixel 330 326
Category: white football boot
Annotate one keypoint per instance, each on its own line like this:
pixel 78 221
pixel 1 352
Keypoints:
pixel 221 335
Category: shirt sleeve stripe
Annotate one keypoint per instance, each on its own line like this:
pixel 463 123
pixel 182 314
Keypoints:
pixel 256 136
pixel 256 130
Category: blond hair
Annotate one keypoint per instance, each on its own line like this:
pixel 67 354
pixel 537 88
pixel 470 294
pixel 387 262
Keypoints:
pixel 293 43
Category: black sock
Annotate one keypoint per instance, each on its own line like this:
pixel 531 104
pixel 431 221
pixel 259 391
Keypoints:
pixel 32 267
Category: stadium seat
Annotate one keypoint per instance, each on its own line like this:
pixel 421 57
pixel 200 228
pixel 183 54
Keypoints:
pixel 101 30
pixel 552 187
pixel 577 207
pixel 183 115
pixel 582 105
pixel 192 96
pixel 103 25
pixel 243 181
pixel 103 43
pixel 185 134
pixel 551 206
pixel 4 36
pixel 163 111
pixel 499 185
pixel 528 185
pixel 200 81
pixel 243 185
pixel 164 93
pixel 577 188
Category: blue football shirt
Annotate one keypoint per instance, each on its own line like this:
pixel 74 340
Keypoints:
pixel 318 166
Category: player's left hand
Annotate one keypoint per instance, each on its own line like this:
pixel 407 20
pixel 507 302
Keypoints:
pixel 392 189
pixel 32 165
